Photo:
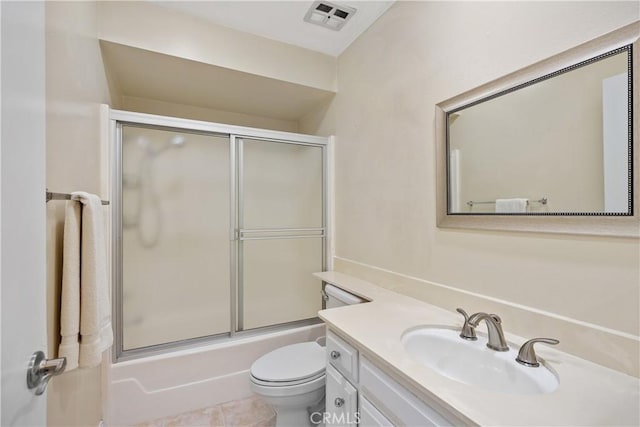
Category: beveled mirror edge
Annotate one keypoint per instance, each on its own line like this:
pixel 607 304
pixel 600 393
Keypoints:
pixel 614 226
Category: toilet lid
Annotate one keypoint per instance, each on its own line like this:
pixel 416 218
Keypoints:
pixel 290 363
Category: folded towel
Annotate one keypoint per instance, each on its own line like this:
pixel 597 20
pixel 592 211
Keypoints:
pixel 85 317
pixel 511 205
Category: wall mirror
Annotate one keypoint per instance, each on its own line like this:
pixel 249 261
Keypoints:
pixel 549 148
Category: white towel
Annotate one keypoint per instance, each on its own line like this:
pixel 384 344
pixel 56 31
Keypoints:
pixel 85 317
pixel 511 205
pixel 454 180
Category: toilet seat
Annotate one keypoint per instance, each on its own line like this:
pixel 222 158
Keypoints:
pixel 285 383
pixel 290 365
pixel 267 389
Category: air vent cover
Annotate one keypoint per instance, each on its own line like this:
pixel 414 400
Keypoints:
pixel 329 15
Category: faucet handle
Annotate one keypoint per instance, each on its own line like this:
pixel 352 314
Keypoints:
pixel 464 313
pixel 468 332
pixel 527 356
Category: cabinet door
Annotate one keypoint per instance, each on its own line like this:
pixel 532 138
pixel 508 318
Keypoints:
pixel 342 400
pixel 370 416
pixel 398 402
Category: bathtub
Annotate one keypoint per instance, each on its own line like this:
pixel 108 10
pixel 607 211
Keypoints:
pixel 184 380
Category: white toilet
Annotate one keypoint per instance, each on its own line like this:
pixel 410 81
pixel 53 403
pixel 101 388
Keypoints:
pixel 292 378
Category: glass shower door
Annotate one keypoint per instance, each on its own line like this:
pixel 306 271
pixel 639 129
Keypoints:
pixel 281 234
pixel 175 236
pixel 215 234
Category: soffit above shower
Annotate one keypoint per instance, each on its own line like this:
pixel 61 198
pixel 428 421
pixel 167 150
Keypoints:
pixel 283 20
pixel 140 73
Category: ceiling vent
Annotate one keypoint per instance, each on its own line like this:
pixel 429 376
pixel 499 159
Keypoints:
pixel 329 15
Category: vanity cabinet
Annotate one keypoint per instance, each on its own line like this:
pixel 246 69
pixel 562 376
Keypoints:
pixel 360 392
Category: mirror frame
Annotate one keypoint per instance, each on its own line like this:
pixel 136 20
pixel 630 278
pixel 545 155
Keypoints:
pixel 579 223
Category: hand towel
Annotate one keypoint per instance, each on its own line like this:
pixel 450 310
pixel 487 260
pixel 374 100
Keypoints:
pixel 511 205
pixel 85 318
pixel 454 180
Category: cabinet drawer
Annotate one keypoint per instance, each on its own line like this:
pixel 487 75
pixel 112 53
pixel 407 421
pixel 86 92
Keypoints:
pixel 341 400
pixel 343 356
pixel 397 400
pixel 370 416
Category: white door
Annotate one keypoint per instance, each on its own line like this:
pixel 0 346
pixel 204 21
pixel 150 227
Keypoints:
pixel 22 207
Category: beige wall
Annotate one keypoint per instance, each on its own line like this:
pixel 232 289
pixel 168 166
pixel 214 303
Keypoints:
pixel 414 56
pixel 76 85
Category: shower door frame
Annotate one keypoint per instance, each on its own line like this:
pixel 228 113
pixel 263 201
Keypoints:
pixel 235 134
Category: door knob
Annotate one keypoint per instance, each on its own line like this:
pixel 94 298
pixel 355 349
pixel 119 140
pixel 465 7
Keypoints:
pixel 41 370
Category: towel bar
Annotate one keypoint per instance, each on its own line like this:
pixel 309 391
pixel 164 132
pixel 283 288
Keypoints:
pixel 64 196
pixel 543 201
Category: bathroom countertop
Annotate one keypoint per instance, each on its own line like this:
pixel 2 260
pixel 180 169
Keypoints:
pixel 588 394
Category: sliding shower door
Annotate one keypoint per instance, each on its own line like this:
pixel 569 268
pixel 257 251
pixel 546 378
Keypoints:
pixel 281 232
pixel 215 233
pixel 175 236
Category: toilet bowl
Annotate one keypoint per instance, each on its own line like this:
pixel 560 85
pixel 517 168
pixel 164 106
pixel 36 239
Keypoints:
pixel 291 379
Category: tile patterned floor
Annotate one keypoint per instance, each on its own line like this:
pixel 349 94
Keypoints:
pixel 251 412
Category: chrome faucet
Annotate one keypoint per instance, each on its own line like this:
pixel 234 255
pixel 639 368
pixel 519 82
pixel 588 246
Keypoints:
pixel 496 339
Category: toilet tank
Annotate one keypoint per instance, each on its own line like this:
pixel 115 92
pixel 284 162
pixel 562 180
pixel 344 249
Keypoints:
pixel 337 297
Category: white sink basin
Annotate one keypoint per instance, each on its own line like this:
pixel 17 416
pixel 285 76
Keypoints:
pixel 471 362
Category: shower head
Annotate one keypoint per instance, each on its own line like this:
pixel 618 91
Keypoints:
pixel 176 141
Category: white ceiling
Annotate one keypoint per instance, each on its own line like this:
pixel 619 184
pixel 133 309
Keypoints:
pixel 283 20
